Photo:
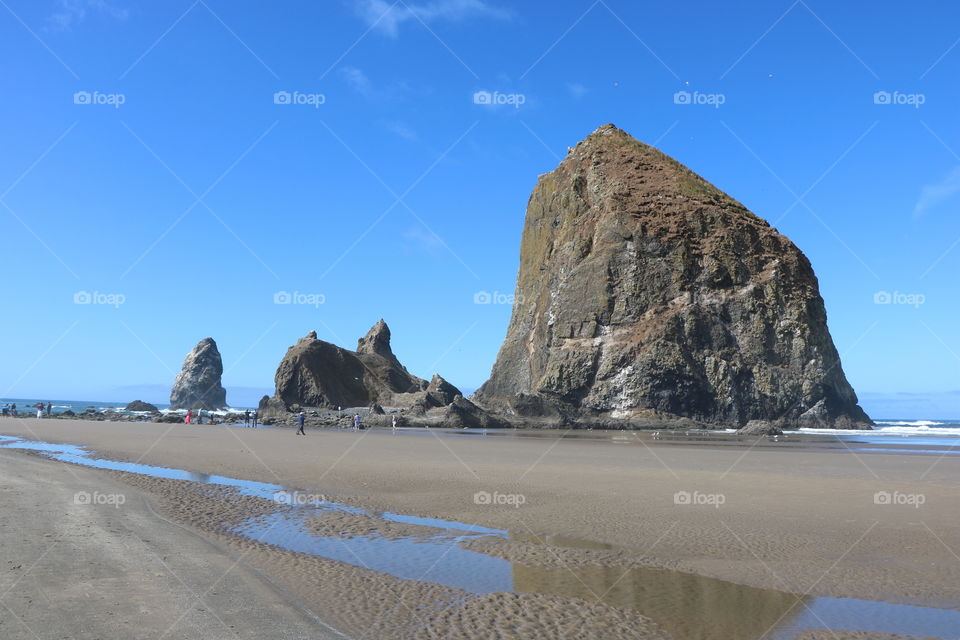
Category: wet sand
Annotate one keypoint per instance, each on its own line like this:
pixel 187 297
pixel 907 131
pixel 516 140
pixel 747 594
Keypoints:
pixel 800 521
pixel 74 570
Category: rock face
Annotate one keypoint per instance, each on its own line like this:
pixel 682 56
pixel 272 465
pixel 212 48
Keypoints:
pixel 198 384
pixel 645 291
pixel 315 373
pixel 442 392
pixel 140 405
pixel 759 428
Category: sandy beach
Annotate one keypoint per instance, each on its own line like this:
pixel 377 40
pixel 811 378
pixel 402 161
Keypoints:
pixel 785 525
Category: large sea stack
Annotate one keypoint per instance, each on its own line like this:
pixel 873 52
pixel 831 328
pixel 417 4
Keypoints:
pixel 198 385
pixel 645 293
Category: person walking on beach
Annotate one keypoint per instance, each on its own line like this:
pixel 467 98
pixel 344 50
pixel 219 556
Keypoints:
pixel 49 408
pixel 189 416
pixel 393 423
pixel 39 410
pixel 300 431
pixel 13 409
pixel 246 418
pixel 356 422
pixel 256 416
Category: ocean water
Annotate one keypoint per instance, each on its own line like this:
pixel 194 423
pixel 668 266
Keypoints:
pixel 902 428
pixel 24 405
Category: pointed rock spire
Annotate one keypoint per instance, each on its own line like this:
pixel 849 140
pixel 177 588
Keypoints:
pixel 376 341
pixel 198 384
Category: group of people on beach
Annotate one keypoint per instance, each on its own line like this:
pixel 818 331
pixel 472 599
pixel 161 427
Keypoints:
pixel 198 419
pixel 11 409
pixel 357 423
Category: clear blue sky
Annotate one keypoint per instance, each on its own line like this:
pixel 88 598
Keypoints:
pixel 201 196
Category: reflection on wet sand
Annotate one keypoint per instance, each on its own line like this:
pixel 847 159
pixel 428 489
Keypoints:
pixel 686 605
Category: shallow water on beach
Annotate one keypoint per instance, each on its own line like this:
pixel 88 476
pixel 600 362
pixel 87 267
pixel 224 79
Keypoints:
pixel 686 605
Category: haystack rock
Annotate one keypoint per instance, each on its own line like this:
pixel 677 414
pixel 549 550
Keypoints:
pixel 646 293
pixel 316 373
pixel 198 385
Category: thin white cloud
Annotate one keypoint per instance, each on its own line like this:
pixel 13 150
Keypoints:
pixel 71 12
pixel 418 239
pixel 403 130
pixel 357 80
pixel 577 90
pixel 933 194
pixel 387 17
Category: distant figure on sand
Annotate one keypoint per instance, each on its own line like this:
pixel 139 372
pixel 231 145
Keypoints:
pixel 300 431
pixel 356 422
pixel 246 418
pixel 13 409
pixel 256 416
pixel 39 410
pixel 189 416
pixel 49 408
pixel 393 423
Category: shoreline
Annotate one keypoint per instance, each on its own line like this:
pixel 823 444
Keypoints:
pixel 784 538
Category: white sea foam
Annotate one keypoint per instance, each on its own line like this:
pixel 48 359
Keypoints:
pixel 917 428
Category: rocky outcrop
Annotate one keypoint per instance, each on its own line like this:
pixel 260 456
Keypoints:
pixel 442 392
pixel 760 428
pixel 140 405
pixel 198 385
pixel 645 292
pixel 316 373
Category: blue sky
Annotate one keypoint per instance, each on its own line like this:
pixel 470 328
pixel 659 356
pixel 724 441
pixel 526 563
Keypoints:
pixel 187 161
